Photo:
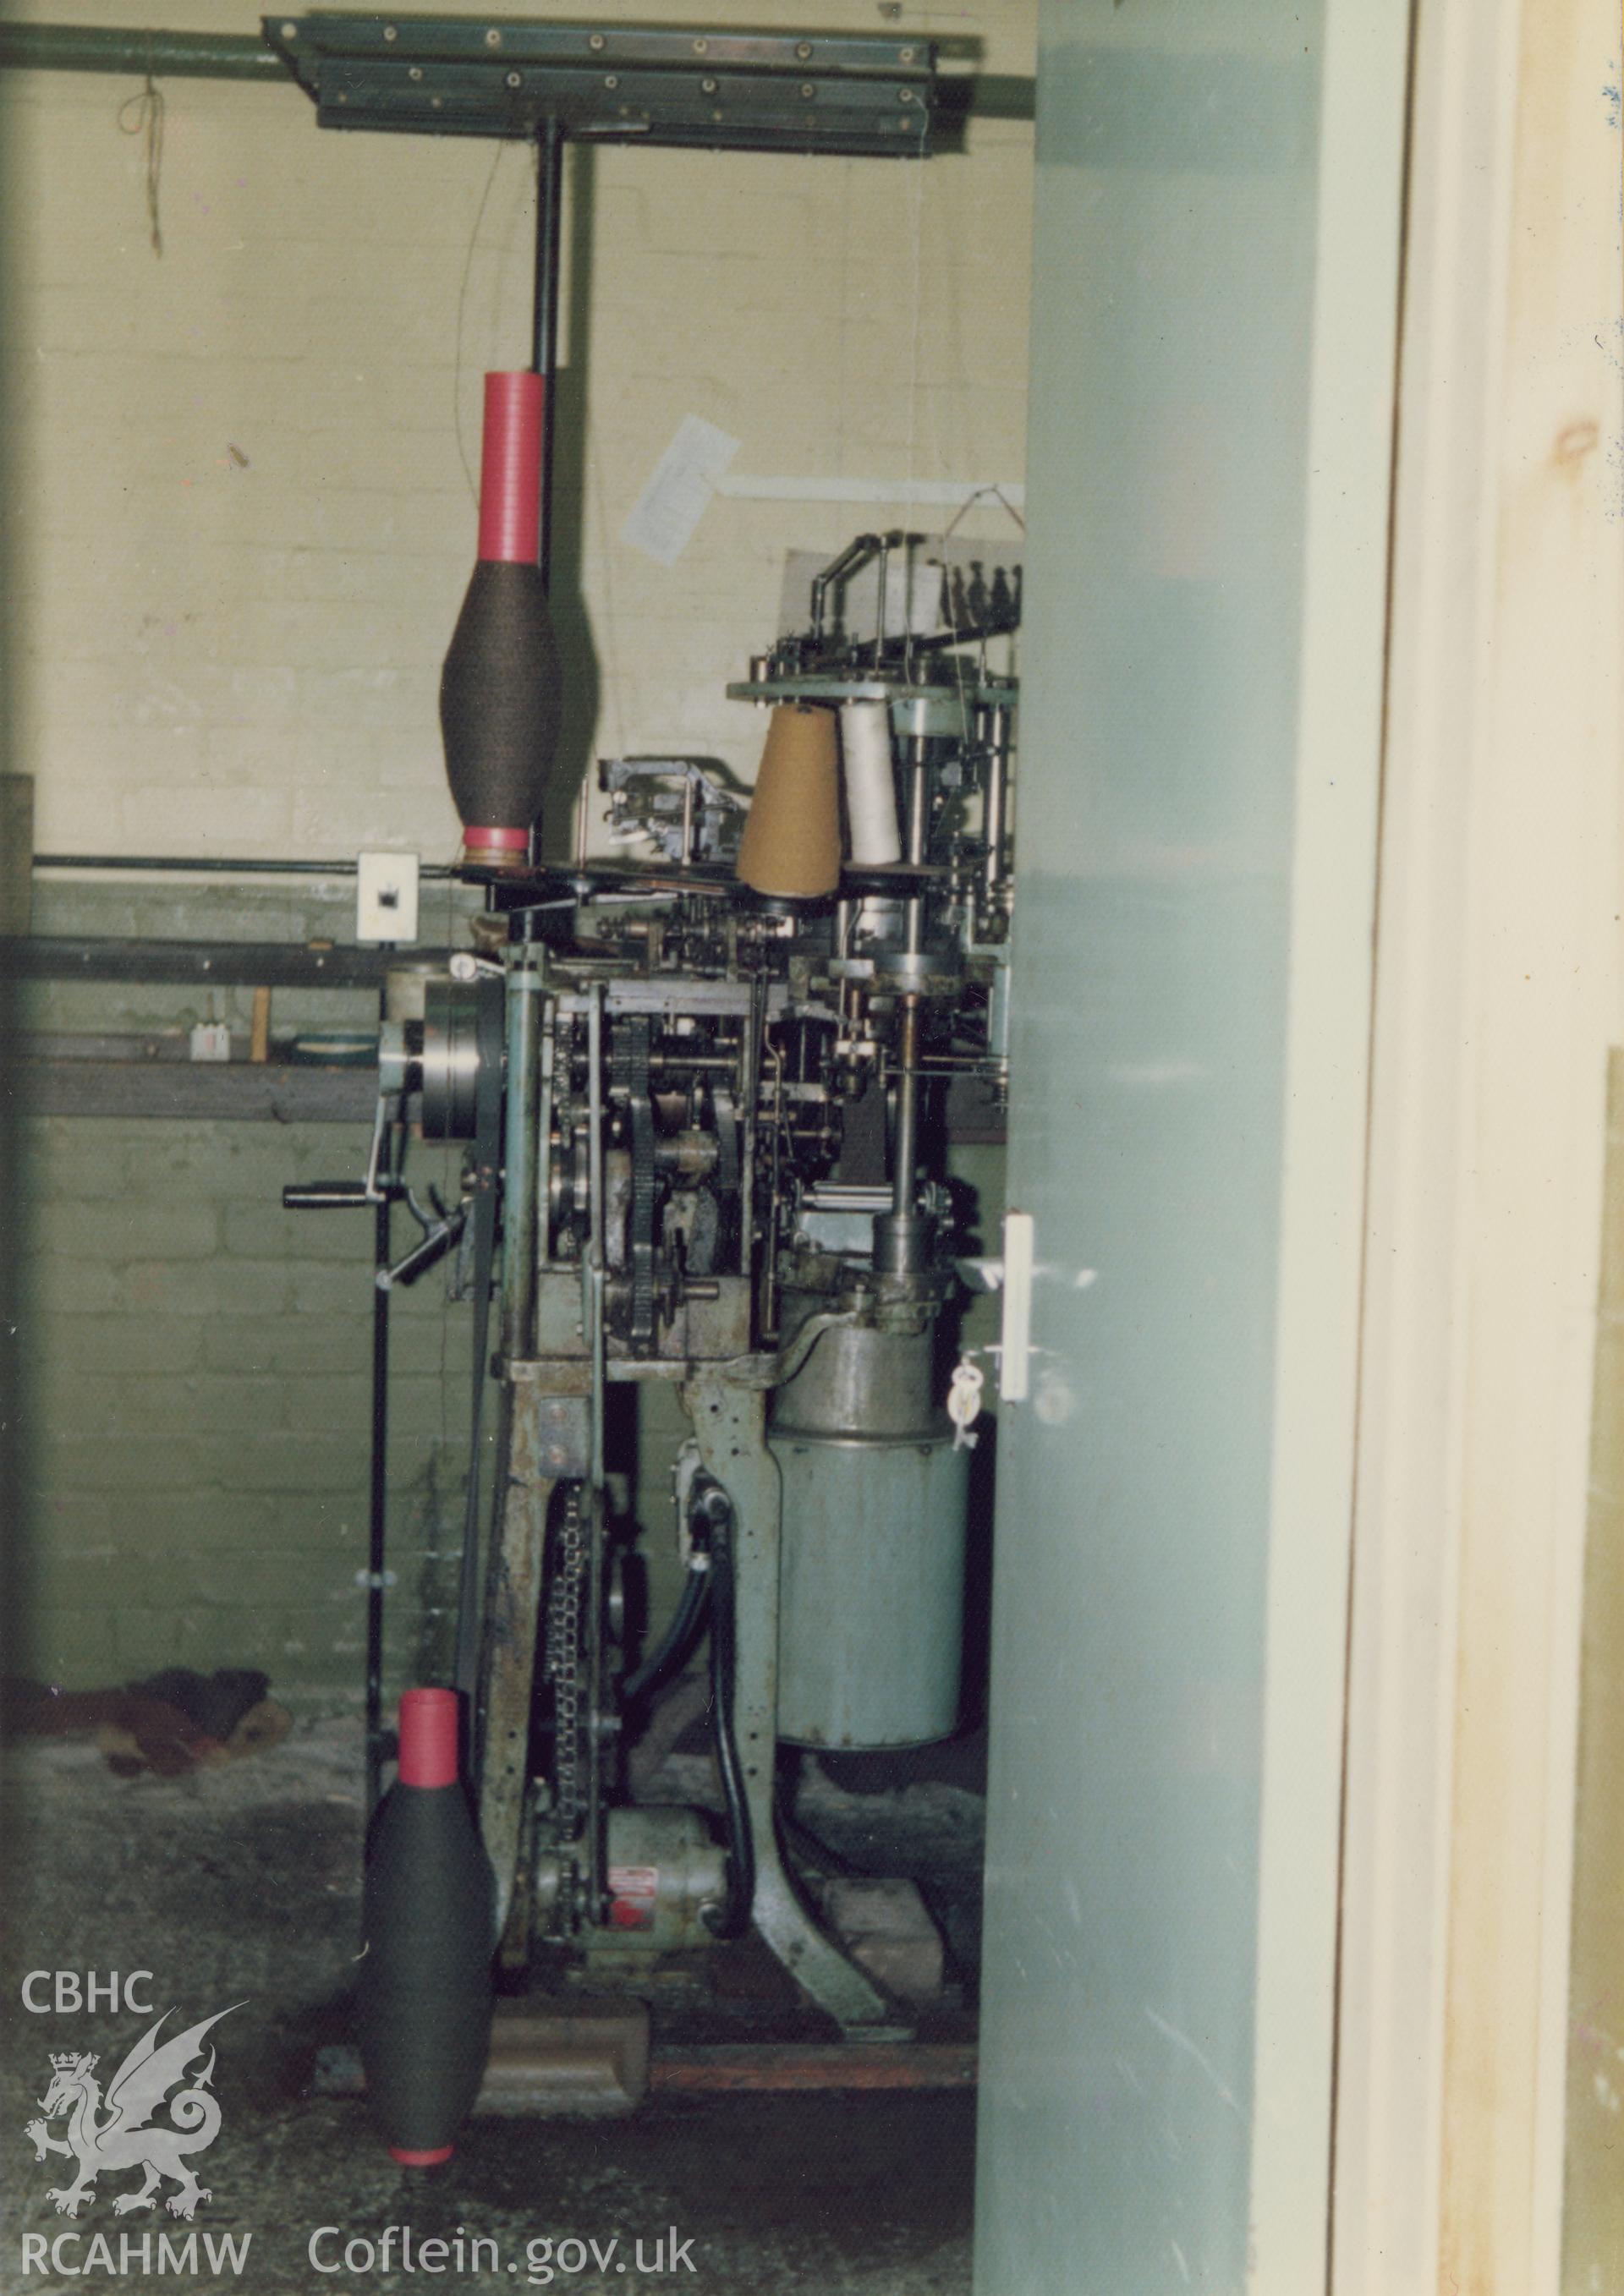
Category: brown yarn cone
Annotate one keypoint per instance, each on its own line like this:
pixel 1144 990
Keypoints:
pixel 790 848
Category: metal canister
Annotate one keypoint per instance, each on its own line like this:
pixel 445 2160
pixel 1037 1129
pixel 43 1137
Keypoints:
pixel 872 1577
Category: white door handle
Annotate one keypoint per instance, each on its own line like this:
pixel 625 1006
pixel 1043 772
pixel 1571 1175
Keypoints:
pixel 1014 1354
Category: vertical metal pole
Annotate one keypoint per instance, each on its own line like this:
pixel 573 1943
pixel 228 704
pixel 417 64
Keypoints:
pixel 906 1136
pixel 377 1524
pixel 597 1342
pixel 549 204
pixel 519 1203
pixel 750 1094
pixel 995 732
pixel 906 1159
pixel 542 1214
pixel 879 601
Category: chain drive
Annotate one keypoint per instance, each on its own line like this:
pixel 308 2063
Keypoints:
pixel 564 1662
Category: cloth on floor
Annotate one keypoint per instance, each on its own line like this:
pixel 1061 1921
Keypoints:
pixel 171 1722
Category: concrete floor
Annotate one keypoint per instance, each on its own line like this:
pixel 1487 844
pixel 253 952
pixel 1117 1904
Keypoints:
pixel 241 1886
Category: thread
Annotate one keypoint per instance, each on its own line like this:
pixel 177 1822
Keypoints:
pixel 510 472
pixel 871 786
pixel 428 1738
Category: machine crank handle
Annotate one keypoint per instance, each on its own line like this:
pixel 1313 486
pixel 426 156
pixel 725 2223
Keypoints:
pixel 438 1240
pixel 379 1186
pixel 326 1196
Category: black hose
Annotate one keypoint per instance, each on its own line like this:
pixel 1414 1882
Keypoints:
pixel 730 1919
pixel 673 1645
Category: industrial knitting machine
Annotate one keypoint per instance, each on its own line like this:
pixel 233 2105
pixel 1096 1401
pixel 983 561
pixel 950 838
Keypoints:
pixel 697 1092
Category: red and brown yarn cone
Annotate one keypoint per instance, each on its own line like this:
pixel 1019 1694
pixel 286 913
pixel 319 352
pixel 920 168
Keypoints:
pixel 499 693
pixel 427 1913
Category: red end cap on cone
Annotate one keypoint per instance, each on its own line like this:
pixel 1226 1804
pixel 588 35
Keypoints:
pixel 428 1730
pixel 408 2159
pixel 496 844
pixel 510 473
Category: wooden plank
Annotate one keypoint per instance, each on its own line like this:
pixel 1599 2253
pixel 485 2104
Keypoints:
pixel 800 2065
pixel 557 2062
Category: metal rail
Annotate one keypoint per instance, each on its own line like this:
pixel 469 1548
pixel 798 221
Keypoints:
pixel 127 48
pixel 207 964
pixel 209 865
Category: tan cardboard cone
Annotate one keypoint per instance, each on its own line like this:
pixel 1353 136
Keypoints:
pixel 790 848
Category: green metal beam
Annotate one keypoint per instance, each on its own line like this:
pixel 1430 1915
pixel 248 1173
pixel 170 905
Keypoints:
pixel 129 50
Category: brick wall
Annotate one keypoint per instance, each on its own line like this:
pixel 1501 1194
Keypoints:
pixel 197 1361
pixel 199 1391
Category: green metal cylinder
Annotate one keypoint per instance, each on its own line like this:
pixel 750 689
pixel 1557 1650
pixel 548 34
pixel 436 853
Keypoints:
pixel 871 1569
pixel 872 1578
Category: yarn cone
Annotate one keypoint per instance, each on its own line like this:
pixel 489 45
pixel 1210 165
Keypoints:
pixel 499 692
pixel 790 848
pixel 428 1915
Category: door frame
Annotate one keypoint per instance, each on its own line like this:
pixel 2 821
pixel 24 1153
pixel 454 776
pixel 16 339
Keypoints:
pixel 1497 996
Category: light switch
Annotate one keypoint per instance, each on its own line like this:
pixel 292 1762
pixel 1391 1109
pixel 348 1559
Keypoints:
pixel 386 897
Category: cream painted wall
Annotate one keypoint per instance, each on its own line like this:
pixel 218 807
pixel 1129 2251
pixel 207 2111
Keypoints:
pixel 242 526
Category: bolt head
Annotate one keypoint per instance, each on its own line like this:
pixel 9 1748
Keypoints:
pixel 594 41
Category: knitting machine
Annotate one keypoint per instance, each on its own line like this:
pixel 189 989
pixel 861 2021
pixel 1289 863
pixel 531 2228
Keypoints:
pixel 699 1094
pixel 699 1085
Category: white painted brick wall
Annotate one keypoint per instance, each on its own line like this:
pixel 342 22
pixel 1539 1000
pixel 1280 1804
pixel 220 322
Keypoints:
pixel 214 656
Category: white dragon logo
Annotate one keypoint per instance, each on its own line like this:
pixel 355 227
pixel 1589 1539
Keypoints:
pixel 125 2138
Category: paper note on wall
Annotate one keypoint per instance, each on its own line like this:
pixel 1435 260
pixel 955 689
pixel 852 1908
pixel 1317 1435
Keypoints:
pixel 671 505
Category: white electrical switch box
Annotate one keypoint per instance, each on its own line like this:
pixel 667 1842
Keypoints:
pixel 386 897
